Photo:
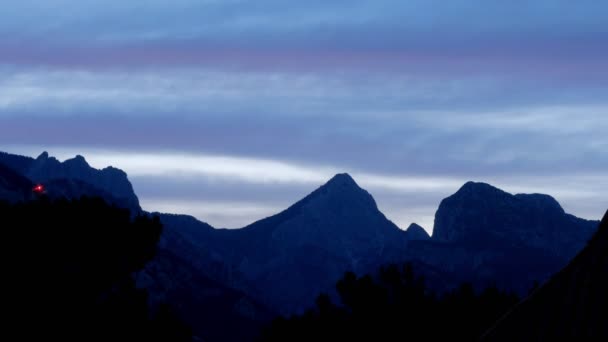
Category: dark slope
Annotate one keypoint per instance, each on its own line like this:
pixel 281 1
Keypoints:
pixel 214 311
pixel 203 248
pixel 17 163
pixel 201 285
pixel 487 236
pixel 571 306
pixel 294 255
pixel 13 186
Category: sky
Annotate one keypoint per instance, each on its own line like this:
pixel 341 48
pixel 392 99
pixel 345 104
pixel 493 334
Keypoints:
pixel 232 110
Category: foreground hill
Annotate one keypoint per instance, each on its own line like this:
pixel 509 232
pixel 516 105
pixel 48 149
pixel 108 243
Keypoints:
pixel 570 306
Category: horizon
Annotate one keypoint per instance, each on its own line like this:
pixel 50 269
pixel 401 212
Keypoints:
pixel 230 111
pixel 99 162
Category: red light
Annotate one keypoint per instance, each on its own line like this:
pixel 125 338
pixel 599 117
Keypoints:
pixel 38 189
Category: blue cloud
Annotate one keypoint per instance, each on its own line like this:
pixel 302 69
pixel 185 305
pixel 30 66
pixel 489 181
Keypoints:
pixel 511 92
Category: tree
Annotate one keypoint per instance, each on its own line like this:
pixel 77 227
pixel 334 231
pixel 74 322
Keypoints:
pixel 70 270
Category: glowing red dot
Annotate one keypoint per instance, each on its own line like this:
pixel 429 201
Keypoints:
pixel 38 188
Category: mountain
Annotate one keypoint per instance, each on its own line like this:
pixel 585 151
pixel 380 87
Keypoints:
pixel 482 235
pixel 570 306
pixel 417 233
pixel 481 213
pixel 13 186
pixel 214 311
pixel 281 263
pixel 211 307
pixel 74 178
pixel 285 260
pixel 487 236
pixel 293 256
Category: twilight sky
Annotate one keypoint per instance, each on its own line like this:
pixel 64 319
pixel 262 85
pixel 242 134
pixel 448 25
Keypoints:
pixel 232 110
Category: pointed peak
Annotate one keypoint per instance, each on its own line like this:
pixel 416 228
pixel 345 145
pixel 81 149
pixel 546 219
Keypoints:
pixel 44 155
pixel 342 179
pixel 44 159
pixel 416 232
pixel 343 191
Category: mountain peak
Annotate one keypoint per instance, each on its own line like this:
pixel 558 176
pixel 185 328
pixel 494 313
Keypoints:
pixel 478 188
pixel 416 232
pixel 342 179
pixel 43 156
pixel 482 214
pixel 342 191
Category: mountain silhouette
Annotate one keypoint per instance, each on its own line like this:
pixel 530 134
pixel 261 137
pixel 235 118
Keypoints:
pixel 490 237
pixel 417 233
pixel 482 235
pixel 481 213
pixel 288 258
pixel 570 306
pixel 74 178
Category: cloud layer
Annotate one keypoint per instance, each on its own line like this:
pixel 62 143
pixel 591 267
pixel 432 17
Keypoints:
pixel 232 110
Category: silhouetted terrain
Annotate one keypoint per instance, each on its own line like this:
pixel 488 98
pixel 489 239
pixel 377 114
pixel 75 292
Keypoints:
pixel 228 284
pixel 483 235
pixel 486 236
pixel 395 303
pixel 68 273
pixel 287 259
pixel 572 305
pixel 74 178
pixel 13 186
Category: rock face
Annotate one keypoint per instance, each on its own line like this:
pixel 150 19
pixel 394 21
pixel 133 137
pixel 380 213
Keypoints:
pixel 571 306
pixel 489 237
pixel 482 214
pixel 74 178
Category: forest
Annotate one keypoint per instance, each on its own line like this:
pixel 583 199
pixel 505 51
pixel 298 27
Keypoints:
pixel 69 273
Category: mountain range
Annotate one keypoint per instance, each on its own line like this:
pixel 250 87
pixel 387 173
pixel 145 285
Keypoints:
pixel 281 263
pixel 73 178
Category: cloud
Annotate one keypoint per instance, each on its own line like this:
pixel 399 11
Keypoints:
pixel 273 97
pixel 232 191
pixel 217 213
pixel 224 20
